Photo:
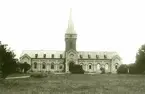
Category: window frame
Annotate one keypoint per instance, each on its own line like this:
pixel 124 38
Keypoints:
pixel 35 65
pixel 90 66
pixel 52 64
pixel 43 65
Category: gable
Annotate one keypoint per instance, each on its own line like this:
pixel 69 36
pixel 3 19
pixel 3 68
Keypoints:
pixel 41 53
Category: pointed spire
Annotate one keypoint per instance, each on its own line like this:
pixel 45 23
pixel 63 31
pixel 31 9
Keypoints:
pixel 70 29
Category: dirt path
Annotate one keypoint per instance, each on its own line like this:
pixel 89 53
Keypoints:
pixel 18 77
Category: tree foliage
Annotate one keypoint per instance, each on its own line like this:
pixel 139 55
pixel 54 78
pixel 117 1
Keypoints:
pixel 23 67
pixel 132 68
pixel 123 69
pixel 140 60
pixel 26 67
pixel 76 69
pixel 8 62
pixel 102 70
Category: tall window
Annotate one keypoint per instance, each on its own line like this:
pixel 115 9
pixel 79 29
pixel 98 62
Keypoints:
pixel 52 65
pixel 98 66
pixel 60 67
pixel 106 66
pixel 43 65
pixel 52 56
pixel 116 66
pixel 44 56
pixel 81 65
pixel 90 67
pixel 35 65
pixel 36 55
pixel 71 44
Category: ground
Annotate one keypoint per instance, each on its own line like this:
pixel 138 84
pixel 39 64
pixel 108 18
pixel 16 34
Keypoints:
pixel 76 84
pixel 18 74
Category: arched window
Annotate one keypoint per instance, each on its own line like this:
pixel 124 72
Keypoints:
pixel 116 66
pixel 90 66
pixel 71 44
pixel 52 65
pixel 98 66
pixel 81 65
pixel 106 66
pixel 43 65
pixel 35 65
pixel 60 66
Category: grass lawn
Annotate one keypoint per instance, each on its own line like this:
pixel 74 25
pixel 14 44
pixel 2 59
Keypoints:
pixel 76 84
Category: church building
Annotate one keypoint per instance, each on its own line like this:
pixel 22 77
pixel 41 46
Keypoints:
pixel 58 61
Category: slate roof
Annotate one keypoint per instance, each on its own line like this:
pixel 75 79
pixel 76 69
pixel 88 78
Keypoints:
pixel 57 54
pixel 40 53
pixel 100 54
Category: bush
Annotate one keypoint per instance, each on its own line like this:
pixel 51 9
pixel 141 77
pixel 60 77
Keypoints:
pixel 24 66
pixel 39 75
pixel 102 70
pixel 123 69
pixel 76 69
pixel 108 72
pixel 133 69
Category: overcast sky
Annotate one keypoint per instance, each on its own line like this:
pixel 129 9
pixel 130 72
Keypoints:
pixel 109 25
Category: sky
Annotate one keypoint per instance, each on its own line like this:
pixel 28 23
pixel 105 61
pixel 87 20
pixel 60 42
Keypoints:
pixel 101 25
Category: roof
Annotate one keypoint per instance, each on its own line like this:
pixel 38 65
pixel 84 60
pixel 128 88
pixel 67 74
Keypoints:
pixel 70 29
pixel 40 53
pixel 57 54
pixel 100 54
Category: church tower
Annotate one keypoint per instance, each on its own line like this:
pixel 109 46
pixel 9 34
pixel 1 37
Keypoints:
pixel 70 35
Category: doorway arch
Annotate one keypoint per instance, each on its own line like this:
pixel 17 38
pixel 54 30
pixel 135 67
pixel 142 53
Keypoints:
pixel 71 64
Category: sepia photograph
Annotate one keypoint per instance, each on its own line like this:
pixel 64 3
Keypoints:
pixel 72 47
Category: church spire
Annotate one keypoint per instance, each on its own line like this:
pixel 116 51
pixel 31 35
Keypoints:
pixel 70 28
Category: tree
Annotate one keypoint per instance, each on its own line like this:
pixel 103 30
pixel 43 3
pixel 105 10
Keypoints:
pixel 24 66
pixel 7 61
pixel 76 69
pixel 132 68
pixel 102 70
pixel 123 69
pixel 140 60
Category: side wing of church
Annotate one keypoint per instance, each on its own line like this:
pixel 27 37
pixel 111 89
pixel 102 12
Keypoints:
pixel 58 61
